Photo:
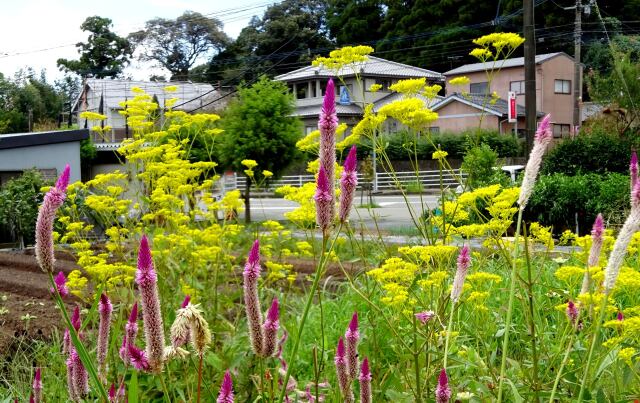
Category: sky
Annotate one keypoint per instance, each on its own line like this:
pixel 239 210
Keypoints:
pixel 36 33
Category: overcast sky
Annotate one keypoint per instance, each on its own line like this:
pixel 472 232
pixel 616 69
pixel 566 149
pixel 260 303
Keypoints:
pixel 27 27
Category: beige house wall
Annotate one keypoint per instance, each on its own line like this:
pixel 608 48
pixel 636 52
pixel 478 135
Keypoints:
pixel 457 116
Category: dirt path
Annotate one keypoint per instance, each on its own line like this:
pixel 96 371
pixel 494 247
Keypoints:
pixel 26 307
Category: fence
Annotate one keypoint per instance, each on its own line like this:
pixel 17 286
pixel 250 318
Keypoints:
pixel 424 181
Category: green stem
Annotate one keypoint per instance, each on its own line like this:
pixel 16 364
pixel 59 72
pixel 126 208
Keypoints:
pixel 564 362
pixel 512 291
pixel 199 378
pixel 446 342
pixel 416 360
pixel 165 390
pixel 594 341
pixel 314 286
pixel 82 352
pixel 532 323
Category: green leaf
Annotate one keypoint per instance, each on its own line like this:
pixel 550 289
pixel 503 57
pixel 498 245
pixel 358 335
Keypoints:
pixel 516 396
pixel 132 387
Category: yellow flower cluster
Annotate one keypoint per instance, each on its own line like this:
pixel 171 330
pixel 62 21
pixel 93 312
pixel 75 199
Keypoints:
pixel 500 40
pixel 343 57
pixel 462 80
pixel 92 115
pixel 410 86
pixel 375 87
pixel 411 112
pixel 439 155
pixel 541 234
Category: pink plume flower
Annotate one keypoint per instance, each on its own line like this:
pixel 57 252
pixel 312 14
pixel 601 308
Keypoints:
pixel 130 334
pixel 352 336
pixel 633 169
pixel 80 375
pixel 270 328
pixel 572 312
pixel 71 387
pixel 542 139
pixel 342 372
pixel 443 391
pixel 348 183
pixel 146 279
pixel 597 238
pixel 464 261
pixel 76 321
pixel 60 282
pixel 324 201
pixel 186 301
pixel 112 393
pixel 226 389
pixel 44 224
pixel 328 123
pixel 630 227
pixel 138 358
pixel 37 386
pixel 365 382
pixel 105 308
pixel 425 316
pixel 635 195
pixel 251 299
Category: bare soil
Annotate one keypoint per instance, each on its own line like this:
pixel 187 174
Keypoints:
pixel 27 310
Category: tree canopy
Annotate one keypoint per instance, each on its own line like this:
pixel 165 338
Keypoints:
pixel 177 45
pixel 104 54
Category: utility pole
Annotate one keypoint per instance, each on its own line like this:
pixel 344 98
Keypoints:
pixel 529 72
pixel 577 74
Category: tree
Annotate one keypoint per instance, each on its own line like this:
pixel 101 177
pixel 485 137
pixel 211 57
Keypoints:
pixel 104 54
pixel 355 22
pixel 289 35
pixel 177 45
pixel 258 126
pixel 19 201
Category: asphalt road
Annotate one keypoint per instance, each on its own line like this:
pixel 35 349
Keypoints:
pixel 391 213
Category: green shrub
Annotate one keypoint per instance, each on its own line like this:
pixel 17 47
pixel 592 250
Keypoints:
pixel 558 200
pixel 597 153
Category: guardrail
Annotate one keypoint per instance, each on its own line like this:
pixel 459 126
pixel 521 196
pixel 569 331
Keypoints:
pixel 425 180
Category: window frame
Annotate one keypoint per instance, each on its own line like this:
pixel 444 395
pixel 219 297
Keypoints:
pixel 520 85
pixel 486 86
pixel 561 133
pixel 562 83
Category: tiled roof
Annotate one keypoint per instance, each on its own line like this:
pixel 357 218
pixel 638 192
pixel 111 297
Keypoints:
pixel 498 107
pixel 374 66
pixel 115 91
pixel 500 64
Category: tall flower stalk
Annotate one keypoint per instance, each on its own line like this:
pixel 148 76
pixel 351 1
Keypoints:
pixel 328 123
pixel 342 372
pixel 365 382
pixel 352 336
pixel 541 141
pixel 105 308
pixel 147 281
pixel 251 298
pixel 463 263
pixel 597 238
pixel 348 184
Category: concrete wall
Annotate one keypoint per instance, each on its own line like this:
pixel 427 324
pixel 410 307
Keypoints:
pixel 50 156
pixel 457 116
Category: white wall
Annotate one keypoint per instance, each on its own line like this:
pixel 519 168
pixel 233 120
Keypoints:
pixel 47 156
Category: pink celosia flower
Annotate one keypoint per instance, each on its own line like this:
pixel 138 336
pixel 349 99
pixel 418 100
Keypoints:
pixel 620 316
pixel 251 299
pixel 186 301
pixel 425 316
pixel 633 169
pixel 597 236
pixel 37 386
pixel 44 224
pixel 309 395
pixel 270 329
pixel 352 336
pixel 76 322
pixel 112 393
pixel 105 308
pixel 80 375
pixel 365 382
pixel 327 123
pixel 572 312
pixel 630 227
pixel 60 282
pixel 348 183
pixel 342 372
pixel 226 389
pixel 138 358
pixel 464 260
pixel 324 201
pixel 146 279
pixel 443 391
pixel 130 334
pixel 542 139
pixel 71 387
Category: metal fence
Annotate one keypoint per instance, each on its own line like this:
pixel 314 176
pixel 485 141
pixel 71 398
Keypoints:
pixel 415 181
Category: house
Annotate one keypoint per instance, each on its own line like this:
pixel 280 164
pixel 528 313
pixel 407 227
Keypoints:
pixel 105 95
pixel 48 152
pixel 308 86
pixel 554 91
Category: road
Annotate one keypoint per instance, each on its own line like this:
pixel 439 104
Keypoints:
pixel 391 213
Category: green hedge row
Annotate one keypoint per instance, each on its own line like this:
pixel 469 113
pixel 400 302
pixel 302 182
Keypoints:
pixel 400 145
pixel 558 199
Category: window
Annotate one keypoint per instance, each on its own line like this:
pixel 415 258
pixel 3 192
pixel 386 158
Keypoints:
pixel 309 129
pixel 479 88
pixel 560 130
pixel 517 87
pixel 301 90
pixel 434 130
pixel 385 83
pixel 563 86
